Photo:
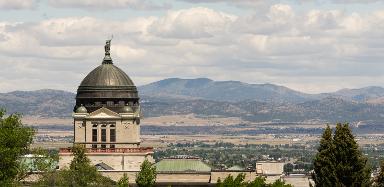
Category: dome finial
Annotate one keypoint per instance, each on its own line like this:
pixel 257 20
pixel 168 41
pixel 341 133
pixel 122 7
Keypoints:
pixel 107 59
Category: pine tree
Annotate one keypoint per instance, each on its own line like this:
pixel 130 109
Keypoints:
pixel 379 181
pixel 350 164
pixel 147 175
pixel 123 181
pixel 84 172
pixel 324 162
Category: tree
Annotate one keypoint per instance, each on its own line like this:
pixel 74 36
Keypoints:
pixel 123 181
pixel 83 172
pixel 350 164
pixel 40 160
pixel 147 175
pixel 80 173
pixel 259 181
pixel 379 180
pixel 339 162
pixel 229 181
pixel 280 183
pixel 15 139
pixel 324 163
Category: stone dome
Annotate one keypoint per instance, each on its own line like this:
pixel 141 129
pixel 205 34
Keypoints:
pixel 81 109
pixel 107 86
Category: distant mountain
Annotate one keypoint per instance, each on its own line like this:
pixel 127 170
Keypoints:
pixel 235 91
pixel 362 94
pixel 46 103
pixel 230 91
pixel 326 110
pixel 205 97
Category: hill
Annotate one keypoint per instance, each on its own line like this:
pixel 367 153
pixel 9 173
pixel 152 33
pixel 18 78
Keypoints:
pixel 231 91
pixel 205 97
pixel 44 103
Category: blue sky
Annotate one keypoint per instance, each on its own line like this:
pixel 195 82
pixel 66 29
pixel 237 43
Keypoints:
pixel 308 45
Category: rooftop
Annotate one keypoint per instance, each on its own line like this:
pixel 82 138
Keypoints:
pixel 184 165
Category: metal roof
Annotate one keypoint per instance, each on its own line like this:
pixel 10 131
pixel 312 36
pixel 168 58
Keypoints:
pixel 106 86
pixel 182 165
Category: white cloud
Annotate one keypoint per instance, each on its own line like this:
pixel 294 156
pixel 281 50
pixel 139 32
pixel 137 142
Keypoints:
pixel 192 23
pixel 309 50
pixel 17 4
pixel 110 4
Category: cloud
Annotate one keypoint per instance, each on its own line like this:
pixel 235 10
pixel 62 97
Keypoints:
pixel 110 4
pixel 255 3
pixel 309 50
pixel 192 23
pixel 17 4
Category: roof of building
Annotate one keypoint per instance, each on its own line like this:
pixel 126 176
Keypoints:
pixel 107 75
pixel 81 109
pixel 106 83
pixel 236 168
pixel 182 165
pixel 103 166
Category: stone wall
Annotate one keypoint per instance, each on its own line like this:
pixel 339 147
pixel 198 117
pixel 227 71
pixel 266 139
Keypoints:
pixel 118 161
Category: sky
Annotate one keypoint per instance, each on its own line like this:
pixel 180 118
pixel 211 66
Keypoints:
pixel 312 46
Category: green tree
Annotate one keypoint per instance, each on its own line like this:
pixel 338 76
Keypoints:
pixel 258 182
pixel 350 164
pixel 324 163
pixel 15 139
pixel 80 173
pixel 84 173
pixel 229 181
pixel 280 183
pixel 123 181
pixel 379 180
pixel 147 175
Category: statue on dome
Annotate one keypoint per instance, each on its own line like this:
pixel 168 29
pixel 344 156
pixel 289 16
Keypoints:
pixel 107 47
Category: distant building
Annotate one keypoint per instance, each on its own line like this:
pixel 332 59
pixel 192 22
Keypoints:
pixel 106 120
pixel 269 168
pixel 182 171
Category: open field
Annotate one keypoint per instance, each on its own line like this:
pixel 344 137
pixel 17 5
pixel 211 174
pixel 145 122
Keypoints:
pixel 162 131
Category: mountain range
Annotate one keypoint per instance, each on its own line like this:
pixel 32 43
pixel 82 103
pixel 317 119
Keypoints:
pixel 205 97
pixel 234 91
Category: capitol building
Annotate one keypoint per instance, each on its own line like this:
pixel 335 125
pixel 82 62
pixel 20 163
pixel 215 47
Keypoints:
pixel 106 121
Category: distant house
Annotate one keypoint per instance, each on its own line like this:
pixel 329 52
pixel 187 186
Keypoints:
pixel 269 168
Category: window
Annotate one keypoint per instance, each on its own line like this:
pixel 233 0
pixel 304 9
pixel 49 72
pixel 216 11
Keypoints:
pixel 94 146
pixel 103 146
pixel 103 135
pixel 112 133
pixel 94 135
pixel 112 146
